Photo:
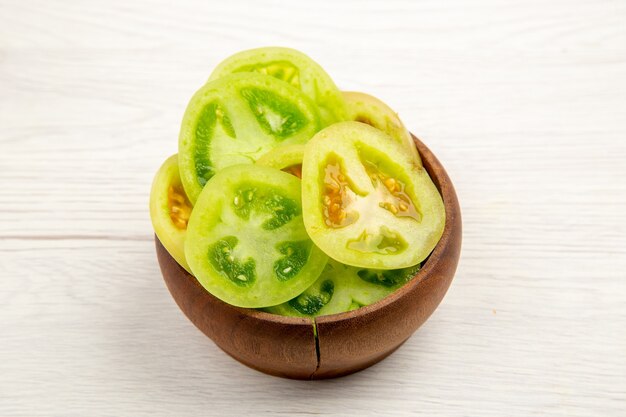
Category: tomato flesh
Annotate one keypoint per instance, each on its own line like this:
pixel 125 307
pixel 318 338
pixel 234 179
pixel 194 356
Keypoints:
pixel 258 198
pixel 246 242
pixel 283 70
pixel 342 288
pixel 287 158
pixel 170 209
pixel 370 110
pixel 235 120
pixel 366 203
pixel 292 67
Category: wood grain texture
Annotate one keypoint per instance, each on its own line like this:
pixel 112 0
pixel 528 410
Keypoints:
pixel 522 101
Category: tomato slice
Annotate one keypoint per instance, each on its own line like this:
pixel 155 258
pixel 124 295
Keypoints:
pixel 374 112
pixel 246 242
pixel 287 158
pixel 170 209
pixel 342 288
pixel 235 120
pixel 365 202
pixel 295 68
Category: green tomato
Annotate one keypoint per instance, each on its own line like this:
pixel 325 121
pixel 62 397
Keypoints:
pixel 342 288
pixel 295 68
pixel 170 210
pixel 365 202
pixel 246 242
pixel 235 120
pixel 287 158
pixel 372 111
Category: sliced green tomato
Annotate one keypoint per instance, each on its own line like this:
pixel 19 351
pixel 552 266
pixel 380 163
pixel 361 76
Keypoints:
pixel 342 288
pixel 365 202
pixel 372 111
pixel 246 242
pixel 295 68
pixel 287 158
pixel 170 210
pixel 235 120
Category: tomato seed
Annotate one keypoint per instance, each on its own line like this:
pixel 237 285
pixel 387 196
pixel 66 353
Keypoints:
pixel 179 206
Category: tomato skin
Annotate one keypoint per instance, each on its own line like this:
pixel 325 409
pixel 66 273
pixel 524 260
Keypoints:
pixel 295 68
pixel 235 120
pixel 166 197
pixel 370 110
pixel 246 242
pixel 385 214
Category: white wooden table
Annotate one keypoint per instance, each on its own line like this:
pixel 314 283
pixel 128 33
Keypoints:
pixel 524 102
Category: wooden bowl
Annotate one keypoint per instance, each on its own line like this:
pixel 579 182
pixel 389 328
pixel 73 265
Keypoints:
pixel 346 342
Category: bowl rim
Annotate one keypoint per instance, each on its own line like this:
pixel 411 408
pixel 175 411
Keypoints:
pixel 442 182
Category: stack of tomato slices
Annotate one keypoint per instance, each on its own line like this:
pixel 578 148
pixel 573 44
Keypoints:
pixel 289 195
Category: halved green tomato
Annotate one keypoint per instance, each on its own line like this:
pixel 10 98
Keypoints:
pixel 170 210
pixel 372 111
pixel 365 202
pixel 235 120
pixel 342 288
pixel 246 243
pixel 287 158
pixel 295 68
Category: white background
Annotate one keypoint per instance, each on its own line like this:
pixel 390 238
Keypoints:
pixel 523 101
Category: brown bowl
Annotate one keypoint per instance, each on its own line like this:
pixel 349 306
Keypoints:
pixel 346 342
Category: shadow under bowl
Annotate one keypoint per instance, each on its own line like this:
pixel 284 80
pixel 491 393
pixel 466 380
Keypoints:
pixel 334 345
